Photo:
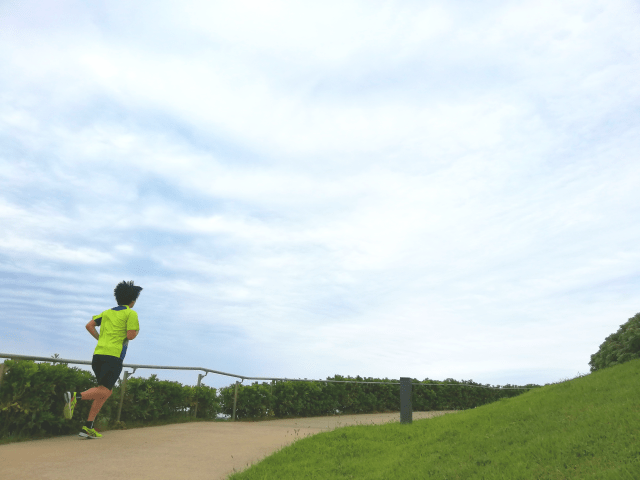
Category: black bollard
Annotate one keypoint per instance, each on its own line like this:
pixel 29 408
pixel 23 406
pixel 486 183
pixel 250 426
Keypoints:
pixel 406 409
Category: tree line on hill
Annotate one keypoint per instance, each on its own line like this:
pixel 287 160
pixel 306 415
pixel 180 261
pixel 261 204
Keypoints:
pixel 619 347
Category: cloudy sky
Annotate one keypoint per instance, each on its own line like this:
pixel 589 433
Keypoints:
pixel 304 189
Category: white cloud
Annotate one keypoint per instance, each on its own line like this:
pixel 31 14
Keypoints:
pixel 13 245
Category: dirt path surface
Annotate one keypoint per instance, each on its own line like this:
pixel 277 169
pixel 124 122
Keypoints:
pixel 203 450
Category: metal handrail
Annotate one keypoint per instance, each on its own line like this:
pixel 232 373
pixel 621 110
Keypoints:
pixel 207 370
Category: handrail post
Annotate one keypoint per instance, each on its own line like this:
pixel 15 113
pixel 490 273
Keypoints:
pixel 2 369
pixel 199 379
pixel 235 400
pixel 271 402
pixel 123 386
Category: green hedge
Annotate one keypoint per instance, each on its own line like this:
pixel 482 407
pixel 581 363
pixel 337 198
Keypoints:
pixel 32 398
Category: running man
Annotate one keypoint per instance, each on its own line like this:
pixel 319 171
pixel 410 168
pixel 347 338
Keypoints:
pixel 117 325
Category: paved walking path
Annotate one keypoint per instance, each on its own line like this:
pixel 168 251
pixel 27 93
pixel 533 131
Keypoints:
pixel 202 450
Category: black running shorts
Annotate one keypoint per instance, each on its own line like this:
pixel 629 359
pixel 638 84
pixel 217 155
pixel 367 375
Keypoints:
pixel 107 369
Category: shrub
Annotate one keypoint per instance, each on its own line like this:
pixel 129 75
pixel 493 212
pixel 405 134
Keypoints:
pixel 620 347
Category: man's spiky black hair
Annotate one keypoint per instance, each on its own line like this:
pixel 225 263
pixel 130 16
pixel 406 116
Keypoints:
pixel 126 292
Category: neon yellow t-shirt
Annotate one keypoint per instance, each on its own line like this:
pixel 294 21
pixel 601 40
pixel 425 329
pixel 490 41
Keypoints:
pixel 114 324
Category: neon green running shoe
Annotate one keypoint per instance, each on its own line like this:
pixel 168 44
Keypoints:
pixel 70 398
pixel 89 433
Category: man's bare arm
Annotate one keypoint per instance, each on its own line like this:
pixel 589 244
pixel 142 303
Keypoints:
pixel 91 327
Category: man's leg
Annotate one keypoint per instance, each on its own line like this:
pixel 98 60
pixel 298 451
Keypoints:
pixel 107 370
pixel 99 395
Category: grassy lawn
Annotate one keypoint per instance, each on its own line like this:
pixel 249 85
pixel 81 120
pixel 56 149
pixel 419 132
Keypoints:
pixel 585 428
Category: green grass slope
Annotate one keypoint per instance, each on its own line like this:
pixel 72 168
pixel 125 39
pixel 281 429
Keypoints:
pixel 585 428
